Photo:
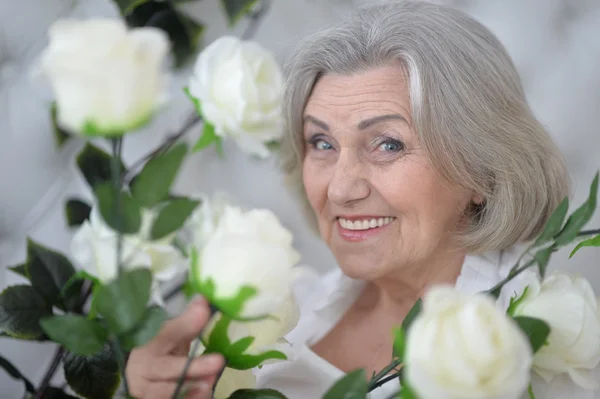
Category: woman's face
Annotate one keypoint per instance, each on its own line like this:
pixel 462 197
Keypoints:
pixel 379 204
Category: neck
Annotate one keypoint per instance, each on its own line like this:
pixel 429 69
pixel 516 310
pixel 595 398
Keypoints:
pixel 396 293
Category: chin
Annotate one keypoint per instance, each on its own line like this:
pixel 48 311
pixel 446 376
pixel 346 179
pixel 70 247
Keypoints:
pixel 360 270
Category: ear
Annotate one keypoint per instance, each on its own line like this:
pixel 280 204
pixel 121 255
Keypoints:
pixel 477 199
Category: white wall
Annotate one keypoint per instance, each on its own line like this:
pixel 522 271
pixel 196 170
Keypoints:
pixel 555 43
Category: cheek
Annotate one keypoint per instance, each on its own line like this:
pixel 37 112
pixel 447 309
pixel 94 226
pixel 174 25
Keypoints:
pixel 315 185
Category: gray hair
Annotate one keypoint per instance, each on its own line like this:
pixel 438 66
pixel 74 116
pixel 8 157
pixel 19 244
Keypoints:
pixel 468 109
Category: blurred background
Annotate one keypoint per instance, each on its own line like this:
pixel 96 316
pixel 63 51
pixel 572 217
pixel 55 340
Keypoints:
pixel 554 43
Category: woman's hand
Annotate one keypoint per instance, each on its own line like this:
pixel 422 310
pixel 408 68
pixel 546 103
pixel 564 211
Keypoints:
pixel 153 369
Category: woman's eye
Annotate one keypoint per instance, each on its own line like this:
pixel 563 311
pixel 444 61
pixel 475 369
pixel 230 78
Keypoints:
pixel 391 145
pixel 321 144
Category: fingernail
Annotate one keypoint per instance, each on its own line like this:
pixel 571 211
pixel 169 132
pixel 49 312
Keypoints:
pixel 197 300
pixel 214 359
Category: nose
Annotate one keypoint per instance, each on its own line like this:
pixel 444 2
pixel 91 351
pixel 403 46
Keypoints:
pixel 349 183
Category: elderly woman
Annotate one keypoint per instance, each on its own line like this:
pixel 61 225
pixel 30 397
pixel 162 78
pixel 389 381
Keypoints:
pixel 421 162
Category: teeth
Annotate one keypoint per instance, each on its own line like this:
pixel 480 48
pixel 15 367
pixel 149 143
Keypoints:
pixel 364 224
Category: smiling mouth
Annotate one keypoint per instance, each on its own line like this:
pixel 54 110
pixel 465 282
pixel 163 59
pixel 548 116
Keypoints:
pixel 364 224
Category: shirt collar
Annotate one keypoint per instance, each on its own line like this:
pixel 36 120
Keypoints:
pixel 478 273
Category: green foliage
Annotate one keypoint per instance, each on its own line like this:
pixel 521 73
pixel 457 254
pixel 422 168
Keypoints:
pixel 209 135
pixel 21 270
pixel 147 329
pixel 93 377
pixel 153 183
pixel 235 352
pixel 77 212
pixel 126 216
pixel 122 302
pixel 554 223
pixel 591 242
pixel 76 333
pixel 21 309
pixel 412 315
pixel 231 307
pixel 49 272
pixel 16 374
pixel 537 331
pixel 580 217
pixel 95 165
pixel 407 392
pixel 516 301
pixel 172 217
pixel 399 342
pixel 352 386
pixel 236 9
pixel 61 136
pixel 256 394
pixel 184 33
pixel 542 257
pixel 57 393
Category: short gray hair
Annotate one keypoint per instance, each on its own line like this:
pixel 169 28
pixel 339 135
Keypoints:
pixel 468 109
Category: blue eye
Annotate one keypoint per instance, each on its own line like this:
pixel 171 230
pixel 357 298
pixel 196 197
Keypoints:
pixel 392 145
pixel 320 144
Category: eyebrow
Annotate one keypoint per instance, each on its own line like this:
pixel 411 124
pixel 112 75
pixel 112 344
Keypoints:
pixel 362 125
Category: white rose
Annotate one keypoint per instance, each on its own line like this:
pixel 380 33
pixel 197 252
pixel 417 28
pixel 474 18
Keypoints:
pixel 464 347
pixel 239 85
pixel 246 267
pixel 94 247
pixel 568 304
pixel 202 223
pixel 106 79
pixel 268 334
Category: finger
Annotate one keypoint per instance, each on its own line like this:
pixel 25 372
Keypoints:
pixel 171 367
pixel 165 390
pixel 181 330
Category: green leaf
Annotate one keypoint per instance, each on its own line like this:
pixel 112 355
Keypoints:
pixel 49 271
pixel 61 136
pixel 412 315
pixel 76 333
pixel 236 9
pixel 208 137
pixel 351 386
pixel 172 217
pixel 537 331
pixel 239 346
pixel 93 377
pixel 407 392
pixel 184 33
pixel 21 309
pixel 147 329
pixel 16 374
pixel 94 164
pixel 57 393
pixel 77 212
pixel 218 340
pixel 257 394
pixel 232 306
pixel 130 213
pixel 248 361
pixel 122 302
pixel 580 217
pixel 154 181
pixel 591 242
pixel 20 270
pixel 530 392
pixel 126 6
pixel 516 301
pixel 542 257
pixel 554 223
pixel 399 342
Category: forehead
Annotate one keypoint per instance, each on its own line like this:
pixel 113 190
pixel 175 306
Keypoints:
pixel 363 94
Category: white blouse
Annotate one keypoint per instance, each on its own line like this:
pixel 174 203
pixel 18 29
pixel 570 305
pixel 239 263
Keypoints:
pixel 324 300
